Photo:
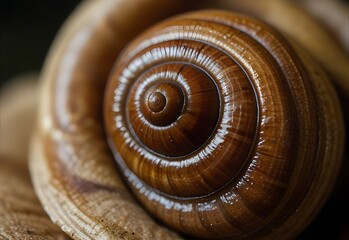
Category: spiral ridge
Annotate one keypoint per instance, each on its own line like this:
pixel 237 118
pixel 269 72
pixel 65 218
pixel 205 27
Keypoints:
pixel 237 171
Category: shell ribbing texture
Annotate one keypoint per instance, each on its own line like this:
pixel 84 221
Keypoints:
pixel 211 119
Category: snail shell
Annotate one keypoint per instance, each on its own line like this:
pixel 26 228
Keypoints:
pixel 214 122
pixel 220 126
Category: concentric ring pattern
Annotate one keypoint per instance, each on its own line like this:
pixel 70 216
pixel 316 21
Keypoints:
pixel 210 118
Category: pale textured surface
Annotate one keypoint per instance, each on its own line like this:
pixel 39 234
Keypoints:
pixel 334 13
pixel 72 169
pixel 17 116
pixel 22 216
pixel 289 18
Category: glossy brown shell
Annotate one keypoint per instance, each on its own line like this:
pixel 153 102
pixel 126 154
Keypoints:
pixel 273 143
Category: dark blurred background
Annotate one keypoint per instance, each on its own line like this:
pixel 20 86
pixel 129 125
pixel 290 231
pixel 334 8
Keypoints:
pixel 27 29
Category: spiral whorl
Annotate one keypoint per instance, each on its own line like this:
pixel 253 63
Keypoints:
pixel 163 127
pixel 211 117
pixel 195 82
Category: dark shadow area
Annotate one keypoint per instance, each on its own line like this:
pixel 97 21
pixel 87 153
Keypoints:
pixel 27 29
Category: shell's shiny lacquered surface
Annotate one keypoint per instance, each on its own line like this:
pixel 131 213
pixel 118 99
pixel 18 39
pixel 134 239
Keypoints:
pixel 230 159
